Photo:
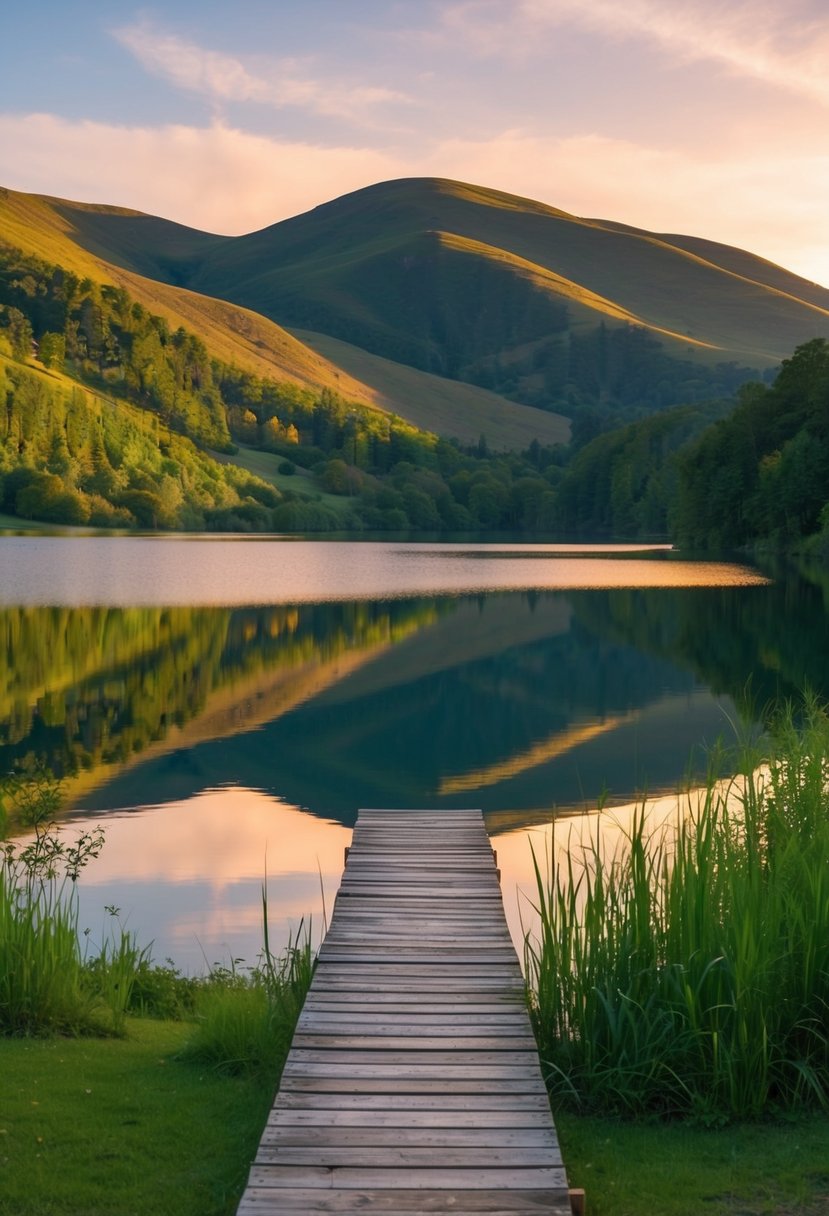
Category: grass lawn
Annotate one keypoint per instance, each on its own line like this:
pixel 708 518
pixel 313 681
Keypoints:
pixel 120 1127
pixel 15 523
pixel 99 1127
pixel 266 465
pixel 767 1169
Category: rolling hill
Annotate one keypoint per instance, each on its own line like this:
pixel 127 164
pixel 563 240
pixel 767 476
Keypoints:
pixel 330 259
pixel 485 287
pixel 152 257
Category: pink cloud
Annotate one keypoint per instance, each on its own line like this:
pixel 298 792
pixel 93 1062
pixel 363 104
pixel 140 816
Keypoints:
pixel 225 180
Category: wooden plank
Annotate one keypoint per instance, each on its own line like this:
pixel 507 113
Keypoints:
pixel 368 1116
pixel 448 1101
pixel 315 1083
pixel 409 1178
pixel 427 1160
pixel 411 1018
pixel 265 1202
pixel 336 1136
pixel 417 1041
pixel 413 1083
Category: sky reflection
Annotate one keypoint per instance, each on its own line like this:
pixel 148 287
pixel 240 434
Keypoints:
pixel 187 876
pixel 139 571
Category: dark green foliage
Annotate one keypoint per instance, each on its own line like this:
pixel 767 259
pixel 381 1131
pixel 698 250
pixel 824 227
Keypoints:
pixel 762 474
pixel 19 330
pixel 110 340
pixel 624 483
pixel 72 457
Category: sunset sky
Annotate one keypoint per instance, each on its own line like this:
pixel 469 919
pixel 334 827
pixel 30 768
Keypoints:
pixel 701 117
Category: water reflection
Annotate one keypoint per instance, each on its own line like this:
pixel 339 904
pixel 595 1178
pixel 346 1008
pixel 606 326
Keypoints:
pixel 511 702
pixel 252 722
pixel 187 877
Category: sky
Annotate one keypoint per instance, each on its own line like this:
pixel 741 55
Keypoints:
pixel 708 117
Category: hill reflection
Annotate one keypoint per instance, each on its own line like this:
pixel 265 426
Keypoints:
pixel 511 701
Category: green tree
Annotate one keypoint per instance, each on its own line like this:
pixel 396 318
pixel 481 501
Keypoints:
pixel 20 333
pixel 52 350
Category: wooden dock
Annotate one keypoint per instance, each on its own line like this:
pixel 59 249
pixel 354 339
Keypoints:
pixel 413 1083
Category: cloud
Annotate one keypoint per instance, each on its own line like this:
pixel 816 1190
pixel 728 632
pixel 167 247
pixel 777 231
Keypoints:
pixel 783 46
pixel 225 78
pixel 217 178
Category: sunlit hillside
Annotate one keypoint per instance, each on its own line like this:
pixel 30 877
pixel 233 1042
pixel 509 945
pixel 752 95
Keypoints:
pixel 153 258
pixel 63 235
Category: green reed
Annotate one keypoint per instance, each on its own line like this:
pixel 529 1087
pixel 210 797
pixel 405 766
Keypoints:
pixel 689 973
pixel 46 982
pixel 245 1020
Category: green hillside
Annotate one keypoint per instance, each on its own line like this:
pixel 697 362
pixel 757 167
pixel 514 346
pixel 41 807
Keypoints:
pixel 444 407
pixel 475 285
pixel 64 234
pixel 109 410
pixel 414 355
pixel 152 258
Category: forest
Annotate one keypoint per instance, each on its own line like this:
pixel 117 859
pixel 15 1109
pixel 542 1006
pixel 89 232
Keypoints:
pixel 112 420
pixel 752 471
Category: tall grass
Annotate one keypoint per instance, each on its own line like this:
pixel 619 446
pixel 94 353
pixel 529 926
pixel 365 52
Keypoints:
pixel 689 972
pixel 46 982
pixel 245 1021
pixel 244 1018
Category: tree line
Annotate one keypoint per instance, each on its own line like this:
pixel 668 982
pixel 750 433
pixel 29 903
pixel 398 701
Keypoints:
pixel 752 470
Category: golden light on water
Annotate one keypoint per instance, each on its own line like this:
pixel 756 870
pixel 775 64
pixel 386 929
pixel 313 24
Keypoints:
pixel 220 571
pixel 553 748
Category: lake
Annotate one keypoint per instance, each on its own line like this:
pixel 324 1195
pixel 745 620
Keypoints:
pixel 224 706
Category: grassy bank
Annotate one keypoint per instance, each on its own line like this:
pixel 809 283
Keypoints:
pixel 103 1111
pixel 670 1169
pixel 688 975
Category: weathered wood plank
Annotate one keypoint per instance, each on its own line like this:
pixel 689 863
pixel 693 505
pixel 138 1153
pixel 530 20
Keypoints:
pixel 474 1178
pixel 417 1041
pixel 413 1085
pixel 461 1019
pixel 437 1056
pixel 336 1136
pixel 369 1116
pixel 267 1202
pixel 447 1101
pixel 427 1160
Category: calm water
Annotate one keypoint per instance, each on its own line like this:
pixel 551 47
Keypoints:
pixel 224 706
